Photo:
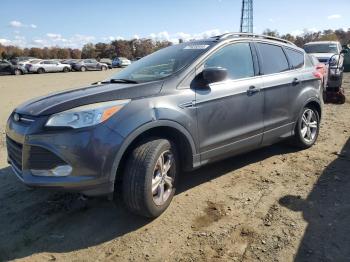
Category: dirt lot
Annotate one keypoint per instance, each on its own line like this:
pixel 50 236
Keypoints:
pixel 274 204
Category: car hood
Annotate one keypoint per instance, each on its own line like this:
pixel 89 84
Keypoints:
pixel 69 99
pixel 323 55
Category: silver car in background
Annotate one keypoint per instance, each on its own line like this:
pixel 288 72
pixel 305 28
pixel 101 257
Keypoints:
pixel 48 66
pixel 29 61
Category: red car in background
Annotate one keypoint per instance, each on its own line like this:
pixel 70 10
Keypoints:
pixel 322 69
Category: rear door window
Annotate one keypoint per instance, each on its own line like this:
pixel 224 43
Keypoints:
pixel 296 58
pixel 273 59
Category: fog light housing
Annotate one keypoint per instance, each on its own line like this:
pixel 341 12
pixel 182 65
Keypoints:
pixel 59 171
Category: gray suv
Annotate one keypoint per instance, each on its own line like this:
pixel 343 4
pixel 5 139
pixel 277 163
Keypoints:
pixel 177 109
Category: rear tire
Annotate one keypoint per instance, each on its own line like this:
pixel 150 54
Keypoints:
pixel 40 71
pixel 83 69
pixel 150 178
pixel 103 68
pixel 66 70
pixel 307 128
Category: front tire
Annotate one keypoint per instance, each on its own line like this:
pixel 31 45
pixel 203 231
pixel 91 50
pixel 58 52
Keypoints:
pixel 66 70
pixel 150 177
pixel 307 128
pixel 83 69
pixel 40 71
pixel 18 72
pixel 103 68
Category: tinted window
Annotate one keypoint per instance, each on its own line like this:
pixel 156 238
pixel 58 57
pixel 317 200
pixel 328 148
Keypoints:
pixel 296 59
pixel 321 48
pixel 236 58
pixel 273 59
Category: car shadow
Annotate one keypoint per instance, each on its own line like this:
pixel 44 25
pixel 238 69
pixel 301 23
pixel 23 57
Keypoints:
pixel 38 220
pixel 327 212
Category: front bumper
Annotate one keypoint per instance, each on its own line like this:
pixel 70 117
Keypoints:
pixel 89 151
pixel 335 78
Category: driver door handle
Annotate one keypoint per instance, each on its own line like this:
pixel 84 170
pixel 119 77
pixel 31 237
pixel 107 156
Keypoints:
pixel 295 82
pixel 252 90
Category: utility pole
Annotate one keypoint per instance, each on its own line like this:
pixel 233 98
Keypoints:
pixel 247 16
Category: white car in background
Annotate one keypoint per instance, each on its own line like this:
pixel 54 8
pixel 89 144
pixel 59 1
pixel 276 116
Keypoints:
pixel 29 61
pixel 330 54
pixel 48 66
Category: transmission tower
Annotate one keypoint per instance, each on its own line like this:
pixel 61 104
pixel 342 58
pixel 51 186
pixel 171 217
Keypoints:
pixel 247 16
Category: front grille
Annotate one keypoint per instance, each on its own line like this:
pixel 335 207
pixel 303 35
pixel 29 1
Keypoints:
pixel 334 78
pixel 14 151
pixel 41 158
pixel 323 60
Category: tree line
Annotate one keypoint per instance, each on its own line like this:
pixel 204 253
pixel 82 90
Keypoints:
pixel 125 48
pixel 326 35
pixel 141 47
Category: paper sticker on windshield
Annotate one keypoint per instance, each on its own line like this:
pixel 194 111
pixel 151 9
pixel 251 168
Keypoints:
pixel 197 47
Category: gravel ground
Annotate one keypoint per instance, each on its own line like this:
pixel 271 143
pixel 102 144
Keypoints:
pixel 274 204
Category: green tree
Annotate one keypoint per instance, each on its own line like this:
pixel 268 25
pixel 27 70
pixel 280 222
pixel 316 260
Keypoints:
pixel 88 51
pixel 75 53
pixel 63 53
pixel 123 48
pixel 270 32
pixel 36 52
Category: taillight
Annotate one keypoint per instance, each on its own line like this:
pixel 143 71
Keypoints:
pixel 318 75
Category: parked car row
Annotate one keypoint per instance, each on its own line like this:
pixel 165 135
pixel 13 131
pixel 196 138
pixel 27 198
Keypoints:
pixel 86 65
pixel 23 65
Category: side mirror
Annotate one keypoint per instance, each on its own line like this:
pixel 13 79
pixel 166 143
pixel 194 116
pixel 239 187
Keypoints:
pixel 344 51
pixel 214 74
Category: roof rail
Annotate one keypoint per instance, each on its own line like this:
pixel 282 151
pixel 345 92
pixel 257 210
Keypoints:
pixel 220 37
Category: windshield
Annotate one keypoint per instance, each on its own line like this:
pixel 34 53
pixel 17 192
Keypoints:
pixel 163 63
pixel 321 48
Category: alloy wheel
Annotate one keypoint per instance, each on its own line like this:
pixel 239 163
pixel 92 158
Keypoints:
pixel 162 182
pixel 309 126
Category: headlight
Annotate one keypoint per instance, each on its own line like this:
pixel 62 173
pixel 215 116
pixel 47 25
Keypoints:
pixel 333 61
pixel 87 115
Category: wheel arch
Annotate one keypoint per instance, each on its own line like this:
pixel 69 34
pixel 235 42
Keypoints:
pixel 161 129
pixel 313 102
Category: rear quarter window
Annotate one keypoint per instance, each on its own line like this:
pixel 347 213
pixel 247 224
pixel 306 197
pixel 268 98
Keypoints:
pixel 310 61
pixel 273 59
pixel 296 58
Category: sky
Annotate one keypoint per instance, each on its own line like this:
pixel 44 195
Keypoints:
pixel 72 23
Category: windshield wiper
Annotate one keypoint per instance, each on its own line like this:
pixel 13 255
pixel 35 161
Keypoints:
pixel 126 81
